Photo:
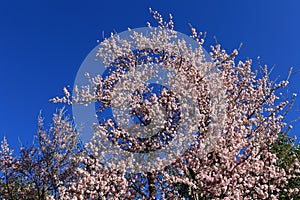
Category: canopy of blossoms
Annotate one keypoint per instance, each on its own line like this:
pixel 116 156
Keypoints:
pixel 170 122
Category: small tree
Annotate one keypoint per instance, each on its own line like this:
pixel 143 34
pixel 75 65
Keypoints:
pixel 42 168
pixel 8 182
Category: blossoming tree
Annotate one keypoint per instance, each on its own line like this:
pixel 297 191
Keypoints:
pixel 184 126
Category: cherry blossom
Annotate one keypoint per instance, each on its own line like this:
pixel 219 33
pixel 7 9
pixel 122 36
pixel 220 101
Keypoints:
pixel 215 119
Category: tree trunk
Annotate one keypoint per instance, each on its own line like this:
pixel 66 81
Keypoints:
pixel 151 185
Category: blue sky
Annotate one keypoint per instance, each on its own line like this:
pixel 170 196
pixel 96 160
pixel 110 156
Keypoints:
pixel 42 44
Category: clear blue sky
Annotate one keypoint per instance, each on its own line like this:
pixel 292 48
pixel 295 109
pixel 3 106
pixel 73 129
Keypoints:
pixel 43 42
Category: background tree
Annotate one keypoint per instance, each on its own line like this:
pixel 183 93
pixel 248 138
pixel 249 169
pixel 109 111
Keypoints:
pixel 8 181
pixel 287 151
pixel 43 167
